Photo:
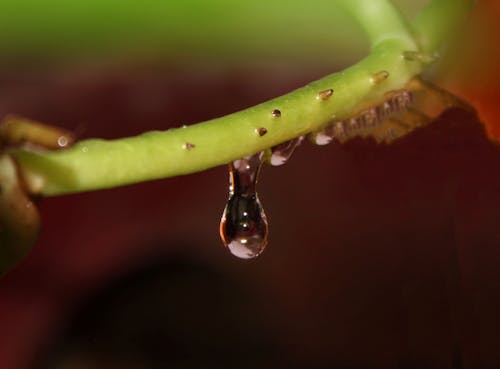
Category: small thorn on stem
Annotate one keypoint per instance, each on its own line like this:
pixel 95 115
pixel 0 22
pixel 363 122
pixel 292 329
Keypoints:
pixel 261 131
pixel 380 77
pixel 325 95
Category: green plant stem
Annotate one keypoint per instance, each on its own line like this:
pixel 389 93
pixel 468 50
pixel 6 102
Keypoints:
pixel 97 164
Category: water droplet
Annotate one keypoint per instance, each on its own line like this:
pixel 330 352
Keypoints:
pixel 325 95
pixel 380 77
pixel 276 113
pixel 244 227
pixel 62 141
pixel 281 153
pixel 324 136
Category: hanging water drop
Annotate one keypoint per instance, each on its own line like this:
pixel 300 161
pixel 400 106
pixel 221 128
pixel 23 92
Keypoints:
pixel 324 136
pixel 244 227
pixel 282 152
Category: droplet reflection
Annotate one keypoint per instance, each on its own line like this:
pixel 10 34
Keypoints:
pixel 244 227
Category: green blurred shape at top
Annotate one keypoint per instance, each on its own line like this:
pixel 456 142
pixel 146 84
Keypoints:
pixel 179 29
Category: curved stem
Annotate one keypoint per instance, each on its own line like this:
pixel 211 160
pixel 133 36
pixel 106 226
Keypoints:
pixel 96 164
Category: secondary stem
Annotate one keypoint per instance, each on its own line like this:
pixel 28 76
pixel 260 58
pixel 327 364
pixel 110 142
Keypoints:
pixel 438 21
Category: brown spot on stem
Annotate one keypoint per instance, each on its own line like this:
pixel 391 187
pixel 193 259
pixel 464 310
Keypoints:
pixel 380 77
pixel 261 131
pixel 325 95
pixel 188 146
pixel 276 113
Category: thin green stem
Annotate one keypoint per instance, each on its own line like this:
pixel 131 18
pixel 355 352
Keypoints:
pixel 97 164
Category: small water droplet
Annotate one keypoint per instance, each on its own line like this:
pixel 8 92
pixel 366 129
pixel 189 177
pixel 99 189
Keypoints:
pixel 324 136
pixel 276 113
pixel 244 227
pixel 281 153
pixel 62 141
pixel 325 95
pixel 401 101
pixel 380 77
